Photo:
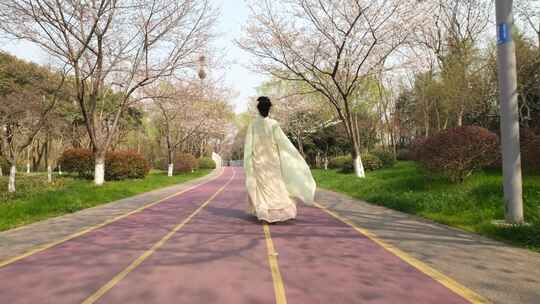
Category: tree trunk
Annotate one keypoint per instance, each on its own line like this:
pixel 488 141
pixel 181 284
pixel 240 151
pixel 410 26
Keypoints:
pixel 357 162
pixel 300 144
pixel 460 117
pixel 36 162
pixel 426 124
pixel 59 170
pixel 28 160
pixel 1 172
pixel 12 174
pixel 47 158
pixel 538 34
pixel 99 171
pixel 393 142
pixel 170 153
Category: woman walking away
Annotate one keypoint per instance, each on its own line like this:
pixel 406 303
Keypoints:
pixel 275 170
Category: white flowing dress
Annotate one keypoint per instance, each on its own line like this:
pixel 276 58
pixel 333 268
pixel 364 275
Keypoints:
pixel 275 172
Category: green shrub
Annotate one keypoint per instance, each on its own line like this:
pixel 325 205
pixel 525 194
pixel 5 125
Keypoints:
pixel 4 165
pixel 206 163
pixel 80 161
pixel 369 161
pixel 339 162
pixel 403 154
pixel 387 158
pixel 121 165
pixel 185 162
pixel 456 153
pixel 160 163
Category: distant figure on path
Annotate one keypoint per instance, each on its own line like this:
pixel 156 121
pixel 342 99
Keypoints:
pixel 275 171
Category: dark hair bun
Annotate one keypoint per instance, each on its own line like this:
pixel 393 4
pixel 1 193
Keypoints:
pixel 264 105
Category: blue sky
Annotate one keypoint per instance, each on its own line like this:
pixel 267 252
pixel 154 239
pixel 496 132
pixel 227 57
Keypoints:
pixel 234 14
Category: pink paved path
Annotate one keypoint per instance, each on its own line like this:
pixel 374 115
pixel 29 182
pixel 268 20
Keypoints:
pixel 220 256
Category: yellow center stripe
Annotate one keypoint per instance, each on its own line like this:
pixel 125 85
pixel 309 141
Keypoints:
pixel 449 283
pixel 103 224
pixel 117 278
pixel 279 288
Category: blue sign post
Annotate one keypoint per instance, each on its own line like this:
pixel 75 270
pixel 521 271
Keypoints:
pixel 503 36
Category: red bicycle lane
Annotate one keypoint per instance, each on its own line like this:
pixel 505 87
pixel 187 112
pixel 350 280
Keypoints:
pixel 220 256
pixel 323 260
pixel 69 272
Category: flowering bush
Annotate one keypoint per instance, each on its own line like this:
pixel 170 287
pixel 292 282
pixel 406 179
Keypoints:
pixel 125 164
pixel 76 160
pixel 415 148
pixel 456 153
pixel 118 164
pixel 530 149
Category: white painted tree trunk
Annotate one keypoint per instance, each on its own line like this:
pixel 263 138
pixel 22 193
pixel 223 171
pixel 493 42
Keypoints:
pixel 59 170
pixel 49 173
pixel 170 170
pixel 12 173
pixel 28 168
pixel 99 172
pixel 326 163
pixel 359 167
pixel 1 172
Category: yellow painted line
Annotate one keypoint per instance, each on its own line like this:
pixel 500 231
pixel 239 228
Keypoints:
pixel 449 283
pixel 121 275
pixel 279 287
pixel 105 223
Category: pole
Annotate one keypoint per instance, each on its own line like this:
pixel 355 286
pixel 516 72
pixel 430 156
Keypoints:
pixel 506 63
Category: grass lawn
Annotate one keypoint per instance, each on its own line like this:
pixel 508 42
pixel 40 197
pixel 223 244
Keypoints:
pixel 471 205
pixel 36 200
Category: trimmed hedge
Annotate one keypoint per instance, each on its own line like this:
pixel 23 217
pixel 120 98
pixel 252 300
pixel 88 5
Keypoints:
pixel 118 164
pixel 456 153
pixel 185 162
pixel 206 163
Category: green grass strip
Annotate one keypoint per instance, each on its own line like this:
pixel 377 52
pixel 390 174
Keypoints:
pixel 37 200
pixel 471 205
